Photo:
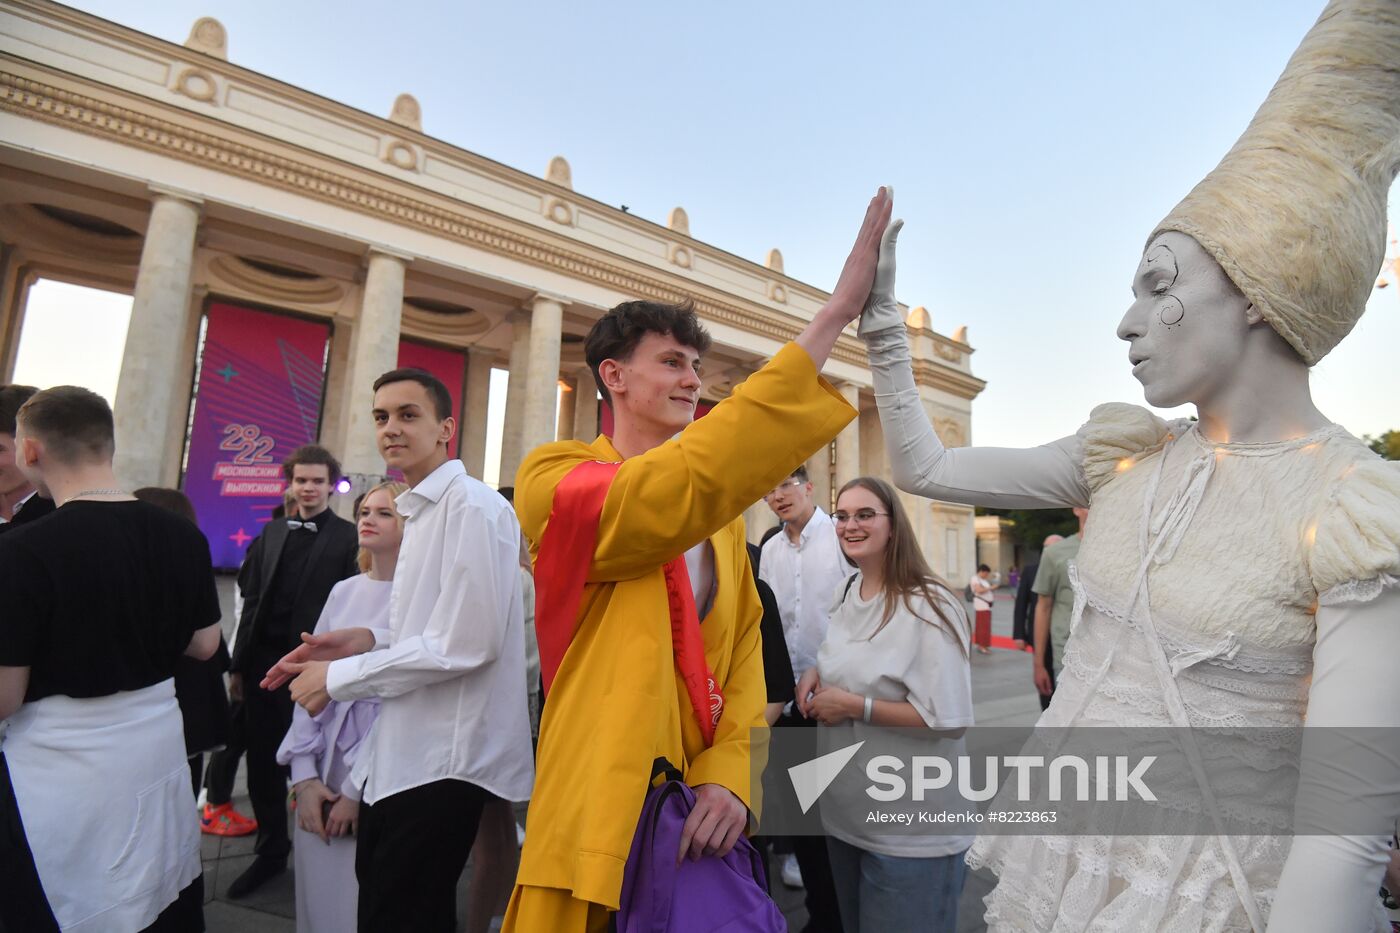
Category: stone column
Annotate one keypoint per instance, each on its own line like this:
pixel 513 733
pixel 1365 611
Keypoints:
pixel 568 403
pixel 14 291
pixel 819 472
pixel 512 432
pixel 585 405
pixel 374 350
pixel 471 446
pixel 181 383
pixel 758 518
pixel 334 413
pixel 144 405
pixel 848 441
pixel 542 378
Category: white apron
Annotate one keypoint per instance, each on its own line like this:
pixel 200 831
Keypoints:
pixel 103 789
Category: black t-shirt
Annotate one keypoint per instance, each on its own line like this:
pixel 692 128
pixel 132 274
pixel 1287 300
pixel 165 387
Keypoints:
pixel 101 597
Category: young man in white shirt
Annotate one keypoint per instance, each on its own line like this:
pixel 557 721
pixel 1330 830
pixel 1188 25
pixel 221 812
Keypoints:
pixel 453 729
pixel 804 567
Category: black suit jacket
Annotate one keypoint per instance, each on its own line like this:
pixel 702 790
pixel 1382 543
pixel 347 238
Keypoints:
pixel 34 508
pixel 332 559
pixel 1023 616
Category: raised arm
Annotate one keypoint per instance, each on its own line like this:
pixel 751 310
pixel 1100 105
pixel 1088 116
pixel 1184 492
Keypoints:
pixel 668 499
pixel 1037 477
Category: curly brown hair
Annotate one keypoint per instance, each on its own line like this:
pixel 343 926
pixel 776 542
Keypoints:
pixel 616 334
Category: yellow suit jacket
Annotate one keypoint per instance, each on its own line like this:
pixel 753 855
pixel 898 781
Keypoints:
pixel 617 703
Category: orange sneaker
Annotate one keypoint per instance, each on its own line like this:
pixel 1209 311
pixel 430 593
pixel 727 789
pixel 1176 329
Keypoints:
pixel 224 820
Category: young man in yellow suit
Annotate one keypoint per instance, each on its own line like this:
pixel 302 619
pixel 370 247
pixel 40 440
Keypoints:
pixel 618 694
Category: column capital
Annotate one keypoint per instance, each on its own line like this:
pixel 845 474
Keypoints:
pixel 375 249
pixel 479 351
pixel 164 193
pixel 537 297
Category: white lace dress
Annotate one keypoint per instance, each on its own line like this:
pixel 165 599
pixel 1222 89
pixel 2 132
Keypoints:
pixel 1225 556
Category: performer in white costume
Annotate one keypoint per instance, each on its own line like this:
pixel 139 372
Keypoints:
pixel 1242 570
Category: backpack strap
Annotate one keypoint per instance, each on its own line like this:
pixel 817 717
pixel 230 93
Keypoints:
pixel 663 766
pixel 663 858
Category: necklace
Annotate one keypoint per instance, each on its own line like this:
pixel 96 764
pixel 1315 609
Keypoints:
pixel 96 492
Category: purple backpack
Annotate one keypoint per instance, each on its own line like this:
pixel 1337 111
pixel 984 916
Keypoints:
pixel 712 895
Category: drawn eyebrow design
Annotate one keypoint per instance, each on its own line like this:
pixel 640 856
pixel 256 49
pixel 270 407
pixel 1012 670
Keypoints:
pixel 1160 258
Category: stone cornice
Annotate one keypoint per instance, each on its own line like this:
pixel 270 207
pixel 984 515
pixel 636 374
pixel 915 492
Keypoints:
pixel 952 381
pixel 193 139
pixel 397 134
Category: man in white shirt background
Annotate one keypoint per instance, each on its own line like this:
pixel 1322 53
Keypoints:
pixel 805 568
pixel 453 729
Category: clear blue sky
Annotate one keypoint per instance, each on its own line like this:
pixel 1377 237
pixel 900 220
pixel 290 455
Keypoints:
pixel 1032 146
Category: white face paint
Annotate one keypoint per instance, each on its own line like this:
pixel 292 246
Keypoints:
pixel 1187 325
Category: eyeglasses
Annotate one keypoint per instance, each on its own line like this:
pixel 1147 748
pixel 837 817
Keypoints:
pixel 860 516
pixel 790 484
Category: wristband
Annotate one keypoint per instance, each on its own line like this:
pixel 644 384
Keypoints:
pixel 869 708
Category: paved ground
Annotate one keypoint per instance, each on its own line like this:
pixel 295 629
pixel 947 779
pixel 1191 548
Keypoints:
pixel 1002 695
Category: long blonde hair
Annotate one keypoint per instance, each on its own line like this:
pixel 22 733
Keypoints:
pixel 906 573
pixel 365 559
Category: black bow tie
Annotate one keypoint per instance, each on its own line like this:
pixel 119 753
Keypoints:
pixel 293 524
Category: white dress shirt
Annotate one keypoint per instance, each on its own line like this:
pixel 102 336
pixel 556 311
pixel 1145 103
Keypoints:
pixel 451 672
pixel 18 505
pixel 804 578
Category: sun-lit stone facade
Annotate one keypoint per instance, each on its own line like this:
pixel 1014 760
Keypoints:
pixel 168 172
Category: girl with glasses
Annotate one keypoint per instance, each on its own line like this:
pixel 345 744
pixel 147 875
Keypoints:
pixel 895 654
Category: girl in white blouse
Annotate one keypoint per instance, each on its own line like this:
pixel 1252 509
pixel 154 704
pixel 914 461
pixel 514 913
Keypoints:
pixel 895 654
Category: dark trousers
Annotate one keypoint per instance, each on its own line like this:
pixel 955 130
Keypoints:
pixel 823 911
pixel 267 715
pixel 23 904
pixel 411 850
pixel 223 764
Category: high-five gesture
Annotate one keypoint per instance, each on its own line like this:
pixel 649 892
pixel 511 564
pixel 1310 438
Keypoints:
pixel 853 287
pixel 881 310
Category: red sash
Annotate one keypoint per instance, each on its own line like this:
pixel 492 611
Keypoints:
pixel 561 570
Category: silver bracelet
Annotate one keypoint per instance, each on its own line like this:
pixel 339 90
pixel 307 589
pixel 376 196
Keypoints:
pixel 869 708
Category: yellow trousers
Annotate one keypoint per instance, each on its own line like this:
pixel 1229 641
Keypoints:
pixel 552 910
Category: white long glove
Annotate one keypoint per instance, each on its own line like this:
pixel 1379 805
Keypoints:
pixel 881 311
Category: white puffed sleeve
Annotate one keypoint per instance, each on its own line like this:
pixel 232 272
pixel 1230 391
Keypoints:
pixel 1330 882
pixel 1356 538
pixel 1117 432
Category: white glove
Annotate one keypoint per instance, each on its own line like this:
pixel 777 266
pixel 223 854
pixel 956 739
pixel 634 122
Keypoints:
pixel 881 312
